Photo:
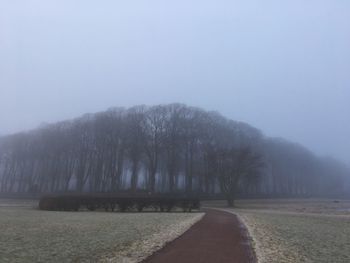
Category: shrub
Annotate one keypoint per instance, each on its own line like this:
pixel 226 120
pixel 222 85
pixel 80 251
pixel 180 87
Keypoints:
pixel 124 203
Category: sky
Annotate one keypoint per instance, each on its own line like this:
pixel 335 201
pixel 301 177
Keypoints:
pixel 281 66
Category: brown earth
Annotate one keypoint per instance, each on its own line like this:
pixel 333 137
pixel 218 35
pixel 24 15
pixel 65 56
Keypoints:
pixel 218 238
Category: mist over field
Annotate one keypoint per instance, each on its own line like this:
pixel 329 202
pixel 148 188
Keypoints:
pixel 175 131
pixel 281 67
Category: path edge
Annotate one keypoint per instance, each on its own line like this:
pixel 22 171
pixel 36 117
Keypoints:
pixel 247 233
pixel 181 233
pixel 145 248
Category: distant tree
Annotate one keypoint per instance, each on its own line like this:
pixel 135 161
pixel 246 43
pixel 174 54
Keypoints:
pixel 165 148
pixel 135 142
pixel 235 164
pixel 154 126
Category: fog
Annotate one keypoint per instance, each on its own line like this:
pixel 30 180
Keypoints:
pixel 282 67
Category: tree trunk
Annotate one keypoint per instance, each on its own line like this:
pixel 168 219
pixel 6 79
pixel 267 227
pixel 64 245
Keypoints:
pixel 230 201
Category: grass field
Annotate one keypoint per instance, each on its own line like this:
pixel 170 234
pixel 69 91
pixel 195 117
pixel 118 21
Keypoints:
pixel 31 235
pixel 283 231
pixel 301 230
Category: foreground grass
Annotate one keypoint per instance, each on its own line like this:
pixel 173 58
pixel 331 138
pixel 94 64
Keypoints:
pixel 286 231
pixel 299 238
pixel 30 235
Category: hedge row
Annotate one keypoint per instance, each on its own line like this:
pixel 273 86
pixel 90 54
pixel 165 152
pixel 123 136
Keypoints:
pixel 121 203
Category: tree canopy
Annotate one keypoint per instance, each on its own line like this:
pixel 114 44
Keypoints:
pixel 164 148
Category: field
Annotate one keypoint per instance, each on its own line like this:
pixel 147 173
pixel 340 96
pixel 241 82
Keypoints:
pixel 31 235
pixel 282 231
pixel 291 231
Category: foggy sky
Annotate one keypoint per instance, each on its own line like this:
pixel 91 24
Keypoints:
pixel 282 66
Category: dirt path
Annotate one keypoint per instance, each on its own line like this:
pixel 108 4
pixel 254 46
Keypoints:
pixel 217 238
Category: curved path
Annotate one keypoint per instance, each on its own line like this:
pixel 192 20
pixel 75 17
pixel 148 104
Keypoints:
pixel 217 238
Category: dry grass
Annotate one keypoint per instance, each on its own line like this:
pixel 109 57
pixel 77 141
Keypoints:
pixel 292 231
pixel 30 235
pixel 312 206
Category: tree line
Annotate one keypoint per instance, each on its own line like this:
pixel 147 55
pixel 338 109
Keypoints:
pixel 164 148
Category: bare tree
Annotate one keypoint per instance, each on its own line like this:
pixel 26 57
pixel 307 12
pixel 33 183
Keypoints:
pixel 168 148
pixel 135 142
pixel 154 128
pixel 233 165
